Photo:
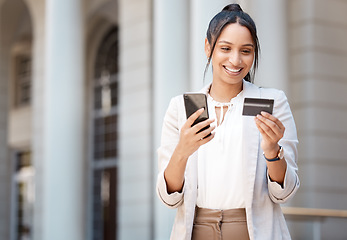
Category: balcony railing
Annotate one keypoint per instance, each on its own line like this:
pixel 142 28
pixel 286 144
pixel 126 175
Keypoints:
pixel 314 212
pixel 317 214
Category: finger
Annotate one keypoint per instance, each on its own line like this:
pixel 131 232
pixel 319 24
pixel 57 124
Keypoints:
pixel 207 139
pixel 193 117
pixel 271 124
pixel 265 130
pixel 273 118
pixel 202 125
pixel 205 132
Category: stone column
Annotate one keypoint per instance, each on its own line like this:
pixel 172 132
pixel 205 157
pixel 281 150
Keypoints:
pixel 171 77
pixel 201 13
pixel 270 17
pixel 318 56
pixel 62 140
pixel 5 167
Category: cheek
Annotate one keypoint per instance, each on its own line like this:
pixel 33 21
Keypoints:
pixel 249 61
pixel 216 59
pixel 217 56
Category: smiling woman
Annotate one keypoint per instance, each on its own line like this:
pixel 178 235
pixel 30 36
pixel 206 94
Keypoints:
pixel 232 58
pixel 227 181
pixel 232 14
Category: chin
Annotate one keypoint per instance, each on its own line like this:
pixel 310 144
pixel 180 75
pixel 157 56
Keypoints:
pixel 233 81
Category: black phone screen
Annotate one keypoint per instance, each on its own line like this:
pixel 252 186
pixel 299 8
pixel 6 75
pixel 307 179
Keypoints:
pixel 193 102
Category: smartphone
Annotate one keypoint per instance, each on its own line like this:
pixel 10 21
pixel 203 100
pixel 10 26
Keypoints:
pixel 192 103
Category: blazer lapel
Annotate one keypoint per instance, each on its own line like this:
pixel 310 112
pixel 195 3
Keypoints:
pixel 251 138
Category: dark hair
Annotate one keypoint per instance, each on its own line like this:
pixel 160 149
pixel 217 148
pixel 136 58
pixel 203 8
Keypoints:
pixel 232 13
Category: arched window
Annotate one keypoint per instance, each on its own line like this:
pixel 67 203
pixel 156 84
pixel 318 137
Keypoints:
pixel 105 135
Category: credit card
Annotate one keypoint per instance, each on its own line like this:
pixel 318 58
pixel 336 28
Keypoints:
pixel 253 106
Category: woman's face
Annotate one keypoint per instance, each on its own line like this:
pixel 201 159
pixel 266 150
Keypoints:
pixel 233 55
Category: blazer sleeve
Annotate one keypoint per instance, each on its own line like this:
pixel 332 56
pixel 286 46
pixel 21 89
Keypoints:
pixel 169 140
pixel 289 142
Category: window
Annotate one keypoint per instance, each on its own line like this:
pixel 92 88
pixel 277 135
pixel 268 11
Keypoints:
pixel 105 208
pixel 24 196
pixel 105 139
pixel 22 79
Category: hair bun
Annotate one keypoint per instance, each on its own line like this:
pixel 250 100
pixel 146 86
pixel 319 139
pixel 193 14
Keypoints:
pixel 233 8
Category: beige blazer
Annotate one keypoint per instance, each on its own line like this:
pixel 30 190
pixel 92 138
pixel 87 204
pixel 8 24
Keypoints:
pixel 264 216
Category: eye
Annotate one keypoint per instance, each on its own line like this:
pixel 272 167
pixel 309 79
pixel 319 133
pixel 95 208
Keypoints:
pixel 225 49
pixel 246 51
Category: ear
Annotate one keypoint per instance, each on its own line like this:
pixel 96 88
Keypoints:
pixel 207 48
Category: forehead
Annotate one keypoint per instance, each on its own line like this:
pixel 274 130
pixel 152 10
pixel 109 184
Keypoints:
pixel 235 34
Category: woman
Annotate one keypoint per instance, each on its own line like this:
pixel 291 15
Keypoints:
pixel 228 185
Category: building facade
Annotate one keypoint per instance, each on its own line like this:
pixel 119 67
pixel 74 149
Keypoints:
pixel 84 86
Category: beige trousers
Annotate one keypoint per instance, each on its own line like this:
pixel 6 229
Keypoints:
pixel 210 224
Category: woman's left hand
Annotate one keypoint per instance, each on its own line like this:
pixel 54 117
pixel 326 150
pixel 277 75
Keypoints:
pixel 272 130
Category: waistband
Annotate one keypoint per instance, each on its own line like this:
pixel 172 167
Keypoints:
pixel 205 215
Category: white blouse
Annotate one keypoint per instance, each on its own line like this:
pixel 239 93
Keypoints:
pixel 220 168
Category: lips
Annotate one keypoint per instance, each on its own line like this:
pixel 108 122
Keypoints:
pixel 232 70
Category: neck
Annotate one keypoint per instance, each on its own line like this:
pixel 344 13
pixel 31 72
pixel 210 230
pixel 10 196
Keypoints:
pixel 224 93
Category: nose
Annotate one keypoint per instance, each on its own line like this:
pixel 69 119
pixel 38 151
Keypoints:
pixel 235 59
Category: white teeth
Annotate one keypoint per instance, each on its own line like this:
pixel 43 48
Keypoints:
pixel 233 70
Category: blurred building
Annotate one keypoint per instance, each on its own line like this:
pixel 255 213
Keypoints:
pixel 84 85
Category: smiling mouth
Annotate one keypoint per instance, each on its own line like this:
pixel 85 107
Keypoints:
pixel 236 70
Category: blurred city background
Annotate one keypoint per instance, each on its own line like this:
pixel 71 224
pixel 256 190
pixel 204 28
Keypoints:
pixel 84 85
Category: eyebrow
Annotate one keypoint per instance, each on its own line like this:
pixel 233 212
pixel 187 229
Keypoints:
pixel 244 45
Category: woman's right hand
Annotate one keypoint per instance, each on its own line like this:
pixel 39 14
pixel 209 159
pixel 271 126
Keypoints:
pixel 190 139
